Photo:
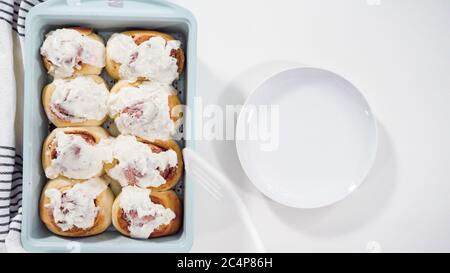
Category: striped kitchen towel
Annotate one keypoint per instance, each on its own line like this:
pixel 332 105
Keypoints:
pixel 12 32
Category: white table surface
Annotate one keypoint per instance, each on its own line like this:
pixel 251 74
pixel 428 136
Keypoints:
pixel 397 53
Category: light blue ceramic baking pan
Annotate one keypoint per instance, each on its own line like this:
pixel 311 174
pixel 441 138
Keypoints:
pixel 105 16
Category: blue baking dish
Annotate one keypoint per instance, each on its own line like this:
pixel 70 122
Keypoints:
pixel 105 17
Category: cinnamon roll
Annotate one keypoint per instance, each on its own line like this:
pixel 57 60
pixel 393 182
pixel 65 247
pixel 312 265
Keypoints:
pixel 73 51
pixel 157 165
pixel 149 110
pixel 144 55
pixel 79 101
pixel 140 213
pixel 76 152
pixel 76 209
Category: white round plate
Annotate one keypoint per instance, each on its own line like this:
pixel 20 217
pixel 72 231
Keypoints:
pixel 324 145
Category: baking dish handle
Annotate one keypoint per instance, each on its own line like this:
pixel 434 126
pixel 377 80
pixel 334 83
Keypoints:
pixel 109 3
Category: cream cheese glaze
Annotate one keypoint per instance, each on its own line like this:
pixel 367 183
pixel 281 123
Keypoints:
pixel 151 59
pixel 142 214
pixel 65 48
pixel 143 110
pixel 75 207
pixel 137 164
pixel 77 158
pixel 79 99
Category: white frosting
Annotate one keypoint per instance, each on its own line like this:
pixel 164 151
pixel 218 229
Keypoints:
pixel 150 60
pixel 79 99
pixel 65 48
pixel 137 164
pixel 75 207
pixel 143 215
pixel 143 111
pixel 76 158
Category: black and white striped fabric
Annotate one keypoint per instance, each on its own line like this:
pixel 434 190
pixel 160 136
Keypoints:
pixel 14 12
pixel 10 191
pixel 12 32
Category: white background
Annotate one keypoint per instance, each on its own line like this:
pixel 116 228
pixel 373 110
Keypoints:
pixel 398 54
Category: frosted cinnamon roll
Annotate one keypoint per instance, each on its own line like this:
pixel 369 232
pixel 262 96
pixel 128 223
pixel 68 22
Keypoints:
pixel 142 214
pixel 144 55
pixel 145 109
pixel 73 51
pixel 156 165
pixel 76 152
pixel 76 209
pixel 79 101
